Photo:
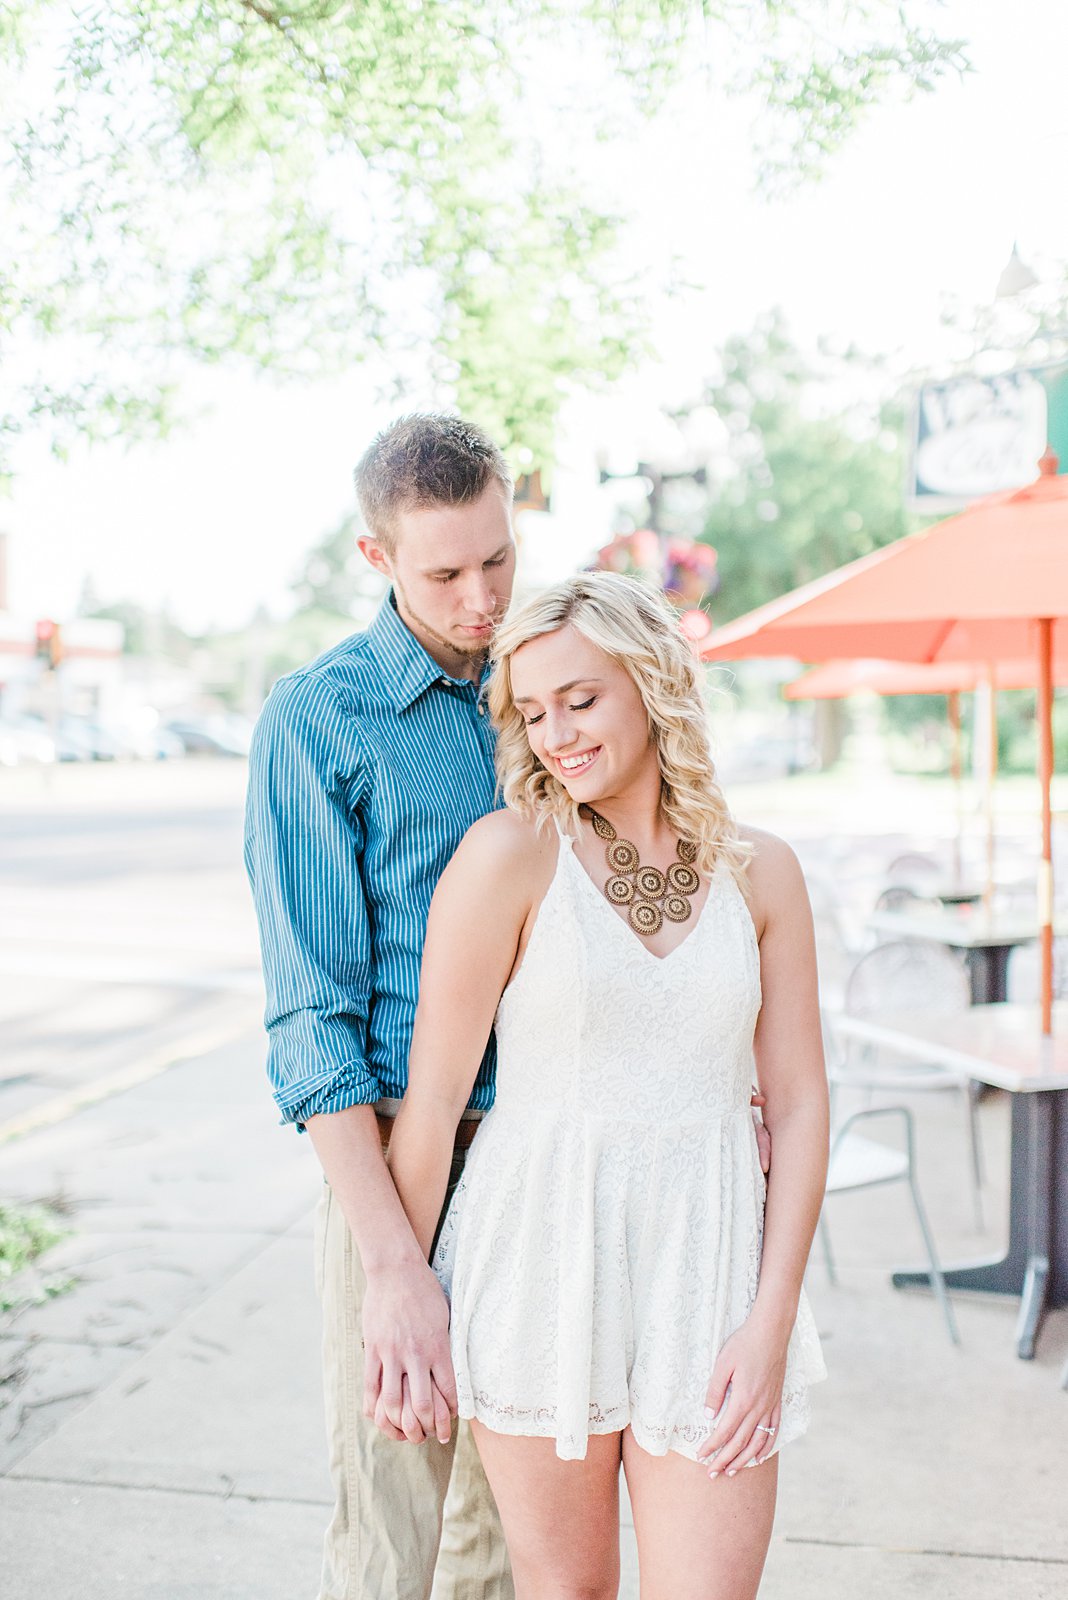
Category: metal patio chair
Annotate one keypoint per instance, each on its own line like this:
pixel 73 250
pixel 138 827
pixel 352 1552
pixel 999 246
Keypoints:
pixel 857 1162
pixel 899 897
pixel 913 869
pixel 911 975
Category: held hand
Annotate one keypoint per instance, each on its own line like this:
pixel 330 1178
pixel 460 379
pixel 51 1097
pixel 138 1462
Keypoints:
pixel 411 1428
pixel 763 1137
pixel 745 1398
pixel 409 1385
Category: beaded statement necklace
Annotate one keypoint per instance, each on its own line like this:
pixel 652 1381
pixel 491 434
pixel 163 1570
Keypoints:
pixel 651 894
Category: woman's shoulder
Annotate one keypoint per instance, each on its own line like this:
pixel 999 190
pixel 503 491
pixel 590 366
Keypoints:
pixel 503 864
pixel 766 847
pixel 773 870
pixel 503 842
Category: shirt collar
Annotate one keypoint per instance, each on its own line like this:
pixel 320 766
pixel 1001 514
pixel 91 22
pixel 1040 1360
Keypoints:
pixel 408 670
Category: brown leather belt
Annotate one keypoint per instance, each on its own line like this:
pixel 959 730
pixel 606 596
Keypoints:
pixel 465 1131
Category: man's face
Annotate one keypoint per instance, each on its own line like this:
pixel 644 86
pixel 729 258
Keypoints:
pixel 452 569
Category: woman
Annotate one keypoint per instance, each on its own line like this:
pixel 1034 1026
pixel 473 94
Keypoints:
pixel 619 1293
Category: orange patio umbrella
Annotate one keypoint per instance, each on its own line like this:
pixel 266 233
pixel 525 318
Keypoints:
pixel 990 584
pixel 834 680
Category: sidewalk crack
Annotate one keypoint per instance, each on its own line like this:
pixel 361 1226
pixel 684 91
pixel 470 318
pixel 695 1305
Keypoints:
pixel 925 1550
pixel 225 1492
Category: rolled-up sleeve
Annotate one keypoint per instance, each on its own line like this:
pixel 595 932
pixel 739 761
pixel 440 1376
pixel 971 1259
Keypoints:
pixel 304 839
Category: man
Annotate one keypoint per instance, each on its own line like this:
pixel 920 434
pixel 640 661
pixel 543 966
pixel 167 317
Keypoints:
pixel 367 768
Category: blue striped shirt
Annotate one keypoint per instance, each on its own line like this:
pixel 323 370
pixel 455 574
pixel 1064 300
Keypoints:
pixel 367 768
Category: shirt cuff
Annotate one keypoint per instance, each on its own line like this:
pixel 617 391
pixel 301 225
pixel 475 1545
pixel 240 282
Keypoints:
pixel 351 1085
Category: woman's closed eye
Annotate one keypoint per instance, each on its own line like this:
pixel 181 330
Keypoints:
pixel 584 706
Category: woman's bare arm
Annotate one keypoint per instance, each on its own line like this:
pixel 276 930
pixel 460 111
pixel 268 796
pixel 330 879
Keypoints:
pixel 473 934
pixel 477 922
pixel 788 1048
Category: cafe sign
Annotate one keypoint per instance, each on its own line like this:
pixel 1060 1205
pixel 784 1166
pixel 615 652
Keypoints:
pixel 978 435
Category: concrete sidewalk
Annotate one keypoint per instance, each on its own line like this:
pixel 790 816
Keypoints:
pixel 161 1430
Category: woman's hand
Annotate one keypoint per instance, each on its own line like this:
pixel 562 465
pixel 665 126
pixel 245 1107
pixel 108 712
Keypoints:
pixel 409 1385
pixel 745 1395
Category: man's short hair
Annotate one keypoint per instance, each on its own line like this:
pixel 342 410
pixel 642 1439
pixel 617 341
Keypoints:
pixel 425 460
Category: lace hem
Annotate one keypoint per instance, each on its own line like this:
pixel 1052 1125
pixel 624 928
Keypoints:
pixel 541 1422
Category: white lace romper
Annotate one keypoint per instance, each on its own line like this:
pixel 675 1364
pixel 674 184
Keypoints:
pixel 605 1238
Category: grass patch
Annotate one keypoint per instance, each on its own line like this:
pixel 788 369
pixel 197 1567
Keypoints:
pixel 26 1233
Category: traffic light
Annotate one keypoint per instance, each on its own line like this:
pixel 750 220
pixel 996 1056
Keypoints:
pixel 49 642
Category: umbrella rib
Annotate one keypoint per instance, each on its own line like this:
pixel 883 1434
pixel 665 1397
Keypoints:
pixel 947 629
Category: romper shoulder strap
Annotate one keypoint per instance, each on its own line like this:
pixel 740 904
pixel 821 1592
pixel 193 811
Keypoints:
pixel 565 838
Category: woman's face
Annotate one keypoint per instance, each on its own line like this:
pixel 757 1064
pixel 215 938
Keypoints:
pixel 585 719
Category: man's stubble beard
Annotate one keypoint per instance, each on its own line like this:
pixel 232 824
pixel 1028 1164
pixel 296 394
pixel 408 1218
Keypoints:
pixel 464 652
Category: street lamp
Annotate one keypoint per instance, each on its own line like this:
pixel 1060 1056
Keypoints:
pixel 1016 276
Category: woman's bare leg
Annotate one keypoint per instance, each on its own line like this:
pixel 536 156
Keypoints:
pixel 560 1518
pixel 698 1539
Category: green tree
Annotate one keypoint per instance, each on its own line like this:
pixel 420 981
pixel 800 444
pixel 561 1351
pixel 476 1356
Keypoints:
pixel 334 575
pixel 812 477
pixel 301 186
pixel 147 631
pixel 335 592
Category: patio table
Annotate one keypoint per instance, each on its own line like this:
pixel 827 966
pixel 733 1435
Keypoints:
pixel 985 938
pixel 1001 1044
pixel 953 891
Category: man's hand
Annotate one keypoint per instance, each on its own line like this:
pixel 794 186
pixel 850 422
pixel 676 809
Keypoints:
pixel 763 1137
pixel 409 1385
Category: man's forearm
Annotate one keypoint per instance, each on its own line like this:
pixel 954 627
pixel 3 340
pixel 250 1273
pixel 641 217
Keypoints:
pixel 350 1149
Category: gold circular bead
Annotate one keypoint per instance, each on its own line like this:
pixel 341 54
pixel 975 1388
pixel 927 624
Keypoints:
pixel 651 883
pixel 622 856
pixel 620 891
pixel 682 878
pixel 676 908
pixel 645 917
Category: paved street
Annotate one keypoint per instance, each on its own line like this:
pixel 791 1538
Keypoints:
pixel 126 933
pixel 160 1424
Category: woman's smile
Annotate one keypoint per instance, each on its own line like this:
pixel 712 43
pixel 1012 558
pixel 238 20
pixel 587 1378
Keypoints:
pixel 574 764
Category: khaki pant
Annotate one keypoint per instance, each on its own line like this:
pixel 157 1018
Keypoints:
pixel 386 1539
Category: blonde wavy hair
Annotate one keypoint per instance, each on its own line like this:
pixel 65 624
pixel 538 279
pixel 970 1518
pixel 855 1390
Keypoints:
pixel 635 626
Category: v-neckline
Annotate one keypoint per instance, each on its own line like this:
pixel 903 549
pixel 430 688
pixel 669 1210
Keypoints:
pixel 627 930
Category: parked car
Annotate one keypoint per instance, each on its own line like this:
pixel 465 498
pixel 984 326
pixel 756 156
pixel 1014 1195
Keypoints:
pixel 137 741
pixel 155 744
pixel 25 739
pixel 220 735
pixel 82 739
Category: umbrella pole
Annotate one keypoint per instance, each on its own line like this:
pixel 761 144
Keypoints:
pixel 1045 778
pixel 953 707
pixel 991 775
